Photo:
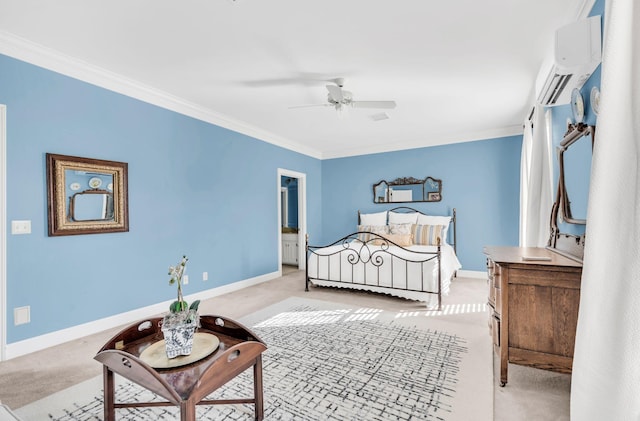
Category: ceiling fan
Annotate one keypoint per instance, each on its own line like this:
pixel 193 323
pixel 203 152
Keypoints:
pixel 341 99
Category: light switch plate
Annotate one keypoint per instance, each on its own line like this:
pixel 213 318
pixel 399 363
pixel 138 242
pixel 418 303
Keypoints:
pixel 20 227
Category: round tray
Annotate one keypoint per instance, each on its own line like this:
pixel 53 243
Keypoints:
pixel 203 345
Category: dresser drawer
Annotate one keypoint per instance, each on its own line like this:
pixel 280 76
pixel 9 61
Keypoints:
pixel 490 320
pixel 495 330
pixel 492 295
pixel 498 301
pixel 490 266
pixel 496 279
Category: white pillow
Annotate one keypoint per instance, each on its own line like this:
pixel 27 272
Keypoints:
pixel 436 220
pixel 379 218
pixel 402 218
pixel 400 228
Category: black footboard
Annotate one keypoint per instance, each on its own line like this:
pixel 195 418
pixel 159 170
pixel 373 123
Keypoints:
pixel 371 260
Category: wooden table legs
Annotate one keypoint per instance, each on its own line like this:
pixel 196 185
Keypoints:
pixel 187 408
pixel 109 394
pixel 257 388
pixel 187 411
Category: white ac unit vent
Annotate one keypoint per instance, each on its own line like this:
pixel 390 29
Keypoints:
pixel 577 53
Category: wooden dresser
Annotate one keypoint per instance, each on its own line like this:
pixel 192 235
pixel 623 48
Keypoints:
pixel 533 307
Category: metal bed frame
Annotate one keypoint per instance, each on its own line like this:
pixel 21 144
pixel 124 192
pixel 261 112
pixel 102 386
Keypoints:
pixel 362 253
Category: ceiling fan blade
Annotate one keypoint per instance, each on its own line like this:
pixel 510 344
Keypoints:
pixel 373 104
pixel 311 105
pixel 335 92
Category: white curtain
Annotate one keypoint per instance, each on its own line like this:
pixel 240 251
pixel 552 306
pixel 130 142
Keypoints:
pixel 606 366
pixel 536 189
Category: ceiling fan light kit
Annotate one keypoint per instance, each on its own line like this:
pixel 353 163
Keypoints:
pixel 341 100
pixel 379 116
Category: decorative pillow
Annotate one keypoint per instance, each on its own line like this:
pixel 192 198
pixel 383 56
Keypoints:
pixel 403 240
pixel 427 235
pixel 403 218
pixel 379 218
pixel 375 229
pixel 436 220
pixel 400 228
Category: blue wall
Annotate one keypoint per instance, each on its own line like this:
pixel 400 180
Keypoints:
pixel 560 115
pixel 184 198
pixel 194 189
pixel 480 179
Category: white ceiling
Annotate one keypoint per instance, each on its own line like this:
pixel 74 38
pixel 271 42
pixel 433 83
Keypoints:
pixel 458 70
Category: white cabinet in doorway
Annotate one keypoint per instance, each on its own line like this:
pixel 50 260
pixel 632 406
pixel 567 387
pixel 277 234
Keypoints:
pixel 289 249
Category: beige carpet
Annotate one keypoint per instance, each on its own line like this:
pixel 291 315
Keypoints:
pixel 340 362
pixel 530 392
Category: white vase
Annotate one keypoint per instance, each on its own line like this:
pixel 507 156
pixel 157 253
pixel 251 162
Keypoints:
pixel 178 330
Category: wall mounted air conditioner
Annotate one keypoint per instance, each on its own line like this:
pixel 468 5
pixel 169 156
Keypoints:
pixel 576 54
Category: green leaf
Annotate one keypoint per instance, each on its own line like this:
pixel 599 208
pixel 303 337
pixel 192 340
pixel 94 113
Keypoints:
pixel 174 307
pixel 194 305
pixel 177 306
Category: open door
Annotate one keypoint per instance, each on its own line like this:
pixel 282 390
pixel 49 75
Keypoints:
pixel 291 219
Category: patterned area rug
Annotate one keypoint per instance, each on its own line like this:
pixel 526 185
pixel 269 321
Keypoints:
pixel 331 362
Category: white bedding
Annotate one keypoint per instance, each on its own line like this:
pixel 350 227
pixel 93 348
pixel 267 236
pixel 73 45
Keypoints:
pixel 374 267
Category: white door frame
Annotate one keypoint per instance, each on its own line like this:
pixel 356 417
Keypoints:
pixel 3 232
pixel 302 216
pixel 284 193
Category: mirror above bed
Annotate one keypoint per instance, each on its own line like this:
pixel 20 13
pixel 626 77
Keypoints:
pixel 408 190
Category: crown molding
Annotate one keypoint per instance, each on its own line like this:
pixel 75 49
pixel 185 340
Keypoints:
pixel 427 141
pixel 39 55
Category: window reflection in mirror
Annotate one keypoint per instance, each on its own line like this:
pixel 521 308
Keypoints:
pixel 408 193
pixel 93 205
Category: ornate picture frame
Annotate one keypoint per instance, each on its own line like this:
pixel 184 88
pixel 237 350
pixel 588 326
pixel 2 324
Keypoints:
pixel 101 207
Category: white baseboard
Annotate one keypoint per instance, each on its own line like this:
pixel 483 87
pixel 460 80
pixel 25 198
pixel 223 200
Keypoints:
pixel 47 340
pixel 480 274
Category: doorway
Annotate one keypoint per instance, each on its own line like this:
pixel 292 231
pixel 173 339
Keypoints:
pixel 292 220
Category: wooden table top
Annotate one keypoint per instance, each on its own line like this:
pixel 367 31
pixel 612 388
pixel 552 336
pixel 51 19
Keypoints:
pixel 519 255
pixel 238 348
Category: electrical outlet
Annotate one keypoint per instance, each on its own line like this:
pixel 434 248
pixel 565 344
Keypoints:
pixel 205 276
pixel 20 227
pixel 21 315
pixel 185 279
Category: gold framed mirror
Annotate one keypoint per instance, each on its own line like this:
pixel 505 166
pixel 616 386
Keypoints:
pixel 86 195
